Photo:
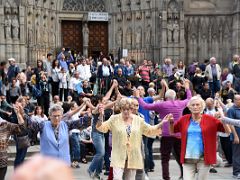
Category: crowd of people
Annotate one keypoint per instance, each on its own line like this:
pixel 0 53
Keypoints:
pixel 75 106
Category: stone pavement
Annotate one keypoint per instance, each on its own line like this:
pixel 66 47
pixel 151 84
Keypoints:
pixel 81 174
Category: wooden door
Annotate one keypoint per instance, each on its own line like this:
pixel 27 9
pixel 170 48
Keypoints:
pixel 72 35
pixel 98 38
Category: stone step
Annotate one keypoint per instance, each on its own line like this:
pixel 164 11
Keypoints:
pixel 36 149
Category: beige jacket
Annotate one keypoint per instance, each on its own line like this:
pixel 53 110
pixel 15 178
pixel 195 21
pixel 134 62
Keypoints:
pixel 208 72
pixel 127 149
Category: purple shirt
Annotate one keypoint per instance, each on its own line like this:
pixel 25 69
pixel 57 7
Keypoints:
pixel 175 107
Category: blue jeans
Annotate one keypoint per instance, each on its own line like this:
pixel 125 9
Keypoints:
pixel 97 162
pixel 150 150
pixel 214 86
pixel 75 147
pixel 107 152
pixel 20 155
pixel 236 159
pixel 146 154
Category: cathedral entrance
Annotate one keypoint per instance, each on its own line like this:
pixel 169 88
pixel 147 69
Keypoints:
pixel 98 38
pixel 72 37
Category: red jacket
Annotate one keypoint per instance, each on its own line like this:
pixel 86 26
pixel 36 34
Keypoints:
pixel 209 126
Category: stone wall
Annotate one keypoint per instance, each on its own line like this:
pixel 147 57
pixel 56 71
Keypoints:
pixel 152 29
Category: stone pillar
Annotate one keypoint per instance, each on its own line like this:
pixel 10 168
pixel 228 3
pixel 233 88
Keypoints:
pixel 2 36
pixel 85 33
pixel 22 49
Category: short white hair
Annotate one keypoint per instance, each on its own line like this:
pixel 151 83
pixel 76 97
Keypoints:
pixel 212 58
pixel 199 99
pixel 55 108
pixel 170 94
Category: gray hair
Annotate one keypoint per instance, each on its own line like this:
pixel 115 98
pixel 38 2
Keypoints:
pixel 199 99
pixel 170 94
pixel 55 108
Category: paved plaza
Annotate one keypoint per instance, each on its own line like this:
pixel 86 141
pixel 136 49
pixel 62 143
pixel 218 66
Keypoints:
pixel 81 174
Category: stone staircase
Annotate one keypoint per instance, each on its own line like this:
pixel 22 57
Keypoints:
pixel 36 149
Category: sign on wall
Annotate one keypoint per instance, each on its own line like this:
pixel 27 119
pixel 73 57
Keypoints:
pixel 97 16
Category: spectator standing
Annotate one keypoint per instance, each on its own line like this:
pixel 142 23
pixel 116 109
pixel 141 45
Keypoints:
pixel 144 72
pixel 213 73
pixel 13 69
pixel 64 78
pixel 234 113
pixel 84 70
pixel 55 77
pixel 47 65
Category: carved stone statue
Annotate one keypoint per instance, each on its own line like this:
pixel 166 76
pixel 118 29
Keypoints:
pixel 53 36
pixel 139 36
pixel 176 32
pixel 30 36
pixel 129 36
pixel 170 30
pixel 15 27
pixel 45 34
pixel 85 32
pixel 119 37
pixel 148 35
pixel 38 34
pixel 7 25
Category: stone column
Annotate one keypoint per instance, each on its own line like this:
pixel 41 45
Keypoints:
pixel 2 37
pixel 85 33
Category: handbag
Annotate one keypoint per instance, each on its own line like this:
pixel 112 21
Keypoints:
pixel 23 141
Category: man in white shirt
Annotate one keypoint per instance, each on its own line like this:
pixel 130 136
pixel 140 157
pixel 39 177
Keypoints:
pixel 84 70
pixel 74 81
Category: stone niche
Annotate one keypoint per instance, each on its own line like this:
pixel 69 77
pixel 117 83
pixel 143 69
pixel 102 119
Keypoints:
pixel 202 4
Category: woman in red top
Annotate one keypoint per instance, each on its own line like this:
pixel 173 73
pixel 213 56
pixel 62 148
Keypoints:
pixel 198 139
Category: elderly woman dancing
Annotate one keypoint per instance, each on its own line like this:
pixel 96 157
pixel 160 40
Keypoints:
pixel 127 130
pixel 198 138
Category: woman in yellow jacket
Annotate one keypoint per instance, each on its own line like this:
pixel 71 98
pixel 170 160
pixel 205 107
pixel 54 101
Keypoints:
pixel 127 130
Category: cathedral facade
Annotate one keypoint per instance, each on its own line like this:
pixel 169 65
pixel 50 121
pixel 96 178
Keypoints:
pixel 137 29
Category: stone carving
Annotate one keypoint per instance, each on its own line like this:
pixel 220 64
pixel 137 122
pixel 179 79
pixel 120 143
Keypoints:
pixel 7 8
pixel 30 36
pixel 176 31
pixel 85 32
pixel 15 27
pixel 209 4
pixel 38 34
pixel 148 35
pixel 170 30
pixel 129 16
pixel 204 29
pixel 148 14
pixel 139 36
pixel 7 25
pixel 119 37
pixel 119 17
pixel 173 10
pixel 45 34
pixel 138 15
pixel 83 5
pixel 129 36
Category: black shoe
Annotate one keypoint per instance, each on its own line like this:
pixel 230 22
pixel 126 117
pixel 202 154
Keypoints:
pixel 228 165
pixel 213 170
pixel 151 170
pixel 106 173
pixel 97 176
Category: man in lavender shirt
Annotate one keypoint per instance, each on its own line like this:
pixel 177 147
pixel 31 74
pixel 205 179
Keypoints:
pixel 169 141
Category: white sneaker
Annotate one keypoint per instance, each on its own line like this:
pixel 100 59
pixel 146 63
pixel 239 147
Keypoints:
pixel 146 177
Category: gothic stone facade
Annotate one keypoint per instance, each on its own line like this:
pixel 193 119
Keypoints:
pixel 152 29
